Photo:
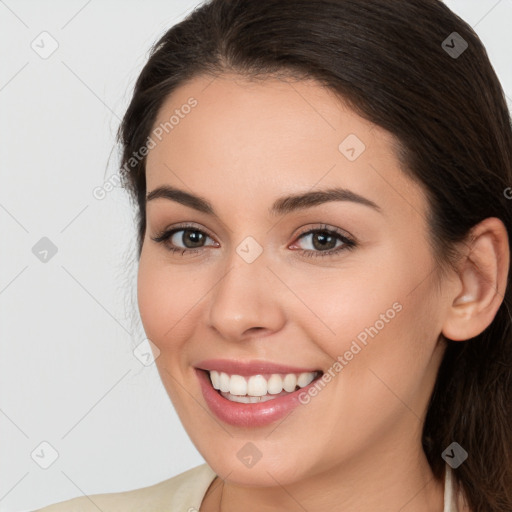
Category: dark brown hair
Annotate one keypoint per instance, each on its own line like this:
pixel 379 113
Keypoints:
pixel 388 61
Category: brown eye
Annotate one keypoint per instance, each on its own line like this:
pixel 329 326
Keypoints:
pixel 324 240
pixel 190 238
pixel 182 238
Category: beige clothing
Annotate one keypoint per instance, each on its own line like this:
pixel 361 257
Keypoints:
pixel 181 493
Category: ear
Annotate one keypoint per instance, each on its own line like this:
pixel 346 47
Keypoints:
pixel 482 281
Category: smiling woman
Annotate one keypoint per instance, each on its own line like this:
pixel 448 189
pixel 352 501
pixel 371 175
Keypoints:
pixel 324 248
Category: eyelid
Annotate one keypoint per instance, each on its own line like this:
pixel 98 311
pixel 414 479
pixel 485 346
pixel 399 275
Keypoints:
pixel 185 226
pixel 325 227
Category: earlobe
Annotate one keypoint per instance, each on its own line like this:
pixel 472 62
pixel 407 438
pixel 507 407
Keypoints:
pixel 483 276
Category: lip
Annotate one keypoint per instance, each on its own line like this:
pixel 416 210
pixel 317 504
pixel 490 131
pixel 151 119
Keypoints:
pixel 249 415
pixel 247 368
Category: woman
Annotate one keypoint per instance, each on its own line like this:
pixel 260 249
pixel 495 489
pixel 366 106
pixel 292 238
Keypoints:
pixel 323 225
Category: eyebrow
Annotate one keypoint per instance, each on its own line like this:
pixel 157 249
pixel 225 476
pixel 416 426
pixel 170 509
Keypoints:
pixel 281 206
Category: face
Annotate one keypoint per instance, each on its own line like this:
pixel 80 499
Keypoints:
pixel 339 288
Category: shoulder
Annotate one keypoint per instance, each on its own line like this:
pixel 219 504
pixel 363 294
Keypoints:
pixel 181 492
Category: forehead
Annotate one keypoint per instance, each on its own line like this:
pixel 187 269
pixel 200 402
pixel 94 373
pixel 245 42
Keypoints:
pixel 266 138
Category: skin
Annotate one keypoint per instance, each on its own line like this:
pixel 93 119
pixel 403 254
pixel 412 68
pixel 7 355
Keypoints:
pixel 357 445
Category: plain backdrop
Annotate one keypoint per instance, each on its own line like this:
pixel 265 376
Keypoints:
pixel 80 413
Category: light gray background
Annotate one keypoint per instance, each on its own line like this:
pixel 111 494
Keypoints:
pixel 68 326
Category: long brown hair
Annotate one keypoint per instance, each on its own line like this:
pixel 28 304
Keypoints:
pixel 399 65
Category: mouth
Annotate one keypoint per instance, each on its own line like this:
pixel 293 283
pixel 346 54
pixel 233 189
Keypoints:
pixel 253 393
pixel 253 389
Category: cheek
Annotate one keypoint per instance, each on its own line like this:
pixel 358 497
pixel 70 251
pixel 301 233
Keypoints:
pixel 345 304
pixel 159 300
pixel 375 294
pixel 163 308
pixel 380 319
pixel 149 294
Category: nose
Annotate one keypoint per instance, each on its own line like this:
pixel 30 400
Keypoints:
pixel 247 301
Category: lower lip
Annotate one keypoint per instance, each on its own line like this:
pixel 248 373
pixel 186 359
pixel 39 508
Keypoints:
pixel 248 415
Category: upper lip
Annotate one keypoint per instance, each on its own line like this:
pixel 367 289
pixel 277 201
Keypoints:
pixel 254 367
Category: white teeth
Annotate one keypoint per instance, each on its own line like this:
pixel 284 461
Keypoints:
pixel 224 382
pixel 289 382
pixel 304 379
pixel 237 385
pixel 258 386
pixel 214 376
pixel 275 385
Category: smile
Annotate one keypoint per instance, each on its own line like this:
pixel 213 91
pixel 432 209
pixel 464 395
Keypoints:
pixel 259 388
pixel 253 394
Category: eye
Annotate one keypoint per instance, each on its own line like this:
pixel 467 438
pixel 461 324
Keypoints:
pixel 323 241
pixel 188 234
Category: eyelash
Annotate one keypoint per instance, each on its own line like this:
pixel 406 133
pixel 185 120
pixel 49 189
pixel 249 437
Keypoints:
pixel 348 244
